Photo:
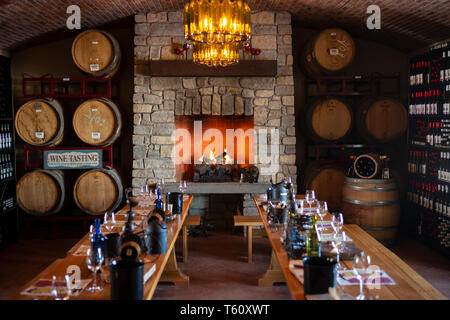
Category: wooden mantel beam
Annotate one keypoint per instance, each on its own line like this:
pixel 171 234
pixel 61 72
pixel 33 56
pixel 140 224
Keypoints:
pixel 187 68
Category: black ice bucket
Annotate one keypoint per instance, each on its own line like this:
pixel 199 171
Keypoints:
pixel 277 192
pixel 113 243
pixel 281 215
pixel 127 280
pixel 176 200
pixel 319 274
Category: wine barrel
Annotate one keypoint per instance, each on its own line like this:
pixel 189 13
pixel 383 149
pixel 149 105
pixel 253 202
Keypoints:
pixel 331 51
pixel 96 53
pixel 326 180
pixel 41 192
pixel 373 205
pixel 40 122
pixel 367 166
pixel 381 119
pixel 98 190
pixel 97 122
pixel 328 120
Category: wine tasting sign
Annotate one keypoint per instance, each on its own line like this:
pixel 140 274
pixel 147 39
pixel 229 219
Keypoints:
pixel 73 159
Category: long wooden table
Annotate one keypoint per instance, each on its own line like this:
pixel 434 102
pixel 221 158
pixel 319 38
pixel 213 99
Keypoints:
pixel 166 264
pixel 409 284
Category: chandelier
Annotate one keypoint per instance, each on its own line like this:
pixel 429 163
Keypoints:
pixel 216 55
pixel 217 21
pixel 217 28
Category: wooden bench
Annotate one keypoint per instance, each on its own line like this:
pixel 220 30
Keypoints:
pixel 189 221
pixel 249 222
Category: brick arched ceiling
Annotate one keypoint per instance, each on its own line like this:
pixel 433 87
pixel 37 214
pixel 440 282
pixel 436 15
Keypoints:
pixel 405 24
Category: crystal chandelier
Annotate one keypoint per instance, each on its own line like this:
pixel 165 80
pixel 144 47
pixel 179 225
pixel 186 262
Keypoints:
pixel 216 55
pixel 217 28
pixel 217 21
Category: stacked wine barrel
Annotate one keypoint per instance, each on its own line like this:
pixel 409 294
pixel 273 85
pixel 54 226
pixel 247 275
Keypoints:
pixel 96 122
pixel 331 51
pixel 96 53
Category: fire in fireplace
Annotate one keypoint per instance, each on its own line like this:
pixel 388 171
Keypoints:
pixel 213 148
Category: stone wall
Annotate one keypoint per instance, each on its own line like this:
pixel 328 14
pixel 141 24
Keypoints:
pixel 158 99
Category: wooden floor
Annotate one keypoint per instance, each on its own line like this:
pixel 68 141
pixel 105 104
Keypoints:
pixel 215 274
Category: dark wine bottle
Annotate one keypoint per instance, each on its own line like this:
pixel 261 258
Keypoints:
pixel 98 241
pixel 158 202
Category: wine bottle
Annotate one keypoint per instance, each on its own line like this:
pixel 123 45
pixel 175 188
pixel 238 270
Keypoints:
pixel 313 247
pixel 98 240
pixel 158 202
pixel 292 204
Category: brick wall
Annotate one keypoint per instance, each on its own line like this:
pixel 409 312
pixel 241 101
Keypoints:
pixel 406 24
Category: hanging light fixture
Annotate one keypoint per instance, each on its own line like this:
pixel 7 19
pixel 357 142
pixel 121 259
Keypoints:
pixel 217 28
pixel 217 21
pixel 216 55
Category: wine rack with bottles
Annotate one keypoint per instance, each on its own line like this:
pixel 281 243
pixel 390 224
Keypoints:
pixel 429 147
pixel 8 210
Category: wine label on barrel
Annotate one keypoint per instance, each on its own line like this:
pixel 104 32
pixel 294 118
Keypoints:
pixel 38 107
pixel 39 135
pixel 95 135
pixel 334 52
pixel 94 67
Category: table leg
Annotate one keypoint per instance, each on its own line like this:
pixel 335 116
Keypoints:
pixel 171 272
pixel 249 243
pixel 185 243
pixel 273 274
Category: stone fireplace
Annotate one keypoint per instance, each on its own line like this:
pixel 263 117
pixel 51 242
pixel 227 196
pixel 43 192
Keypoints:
pixel 160 102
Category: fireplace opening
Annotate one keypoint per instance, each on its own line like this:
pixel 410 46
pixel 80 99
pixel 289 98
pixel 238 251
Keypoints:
pixel 213 148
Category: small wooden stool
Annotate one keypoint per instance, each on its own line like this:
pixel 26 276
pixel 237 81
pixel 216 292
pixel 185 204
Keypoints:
pixel 249 222
pixel 189 221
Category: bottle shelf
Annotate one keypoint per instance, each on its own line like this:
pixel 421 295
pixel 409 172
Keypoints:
pixel 7 180
pixel 429 71
pixel 7 210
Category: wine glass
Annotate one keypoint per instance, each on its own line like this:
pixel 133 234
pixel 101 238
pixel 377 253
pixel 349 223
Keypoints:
pixel 337 221
pixel 60 291
pixel 300 206
pixel 109 221
pixel 94 260
pixel 310 197
pixel 91 231
pixel 322 210
pixel 338 242
pixel 360 264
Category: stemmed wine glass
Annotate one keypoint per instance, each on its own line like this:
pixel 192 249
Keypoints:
pixel 183 186
pixel 300 206
pixel 360 265
pixel 59 292
pixel 337 221
pixel 94 261
pixel 310 197
pixel 109 221
pixel 322 210
pixel 338 242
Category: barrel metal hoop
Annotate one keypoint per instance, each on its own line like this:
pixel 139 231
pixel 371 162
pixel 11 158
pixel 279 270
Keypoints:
pixel 371 203
pixel 371 181
pixel 376 189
